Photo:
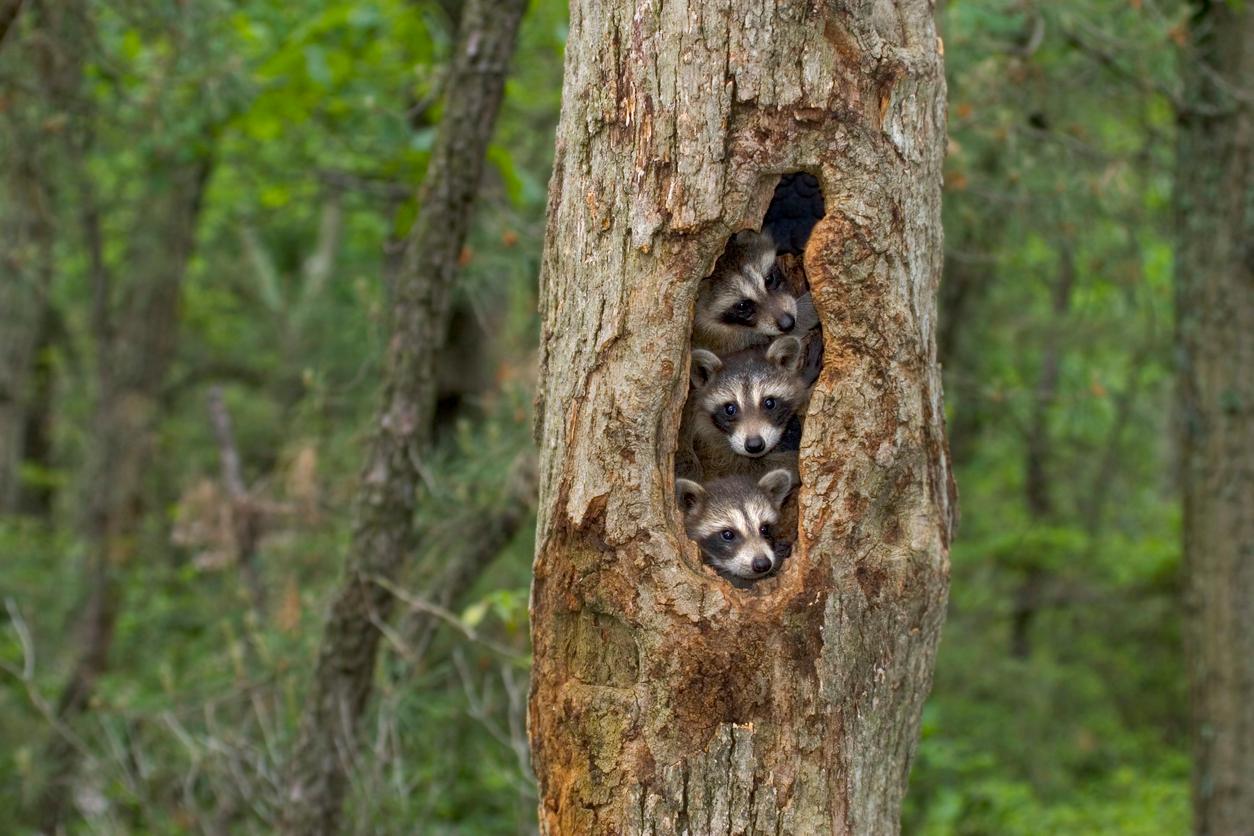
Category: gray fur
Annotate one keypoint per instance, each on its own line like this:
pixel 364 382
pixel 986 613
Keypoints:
pixel 742 507
pixel 721 445
pixel 740 274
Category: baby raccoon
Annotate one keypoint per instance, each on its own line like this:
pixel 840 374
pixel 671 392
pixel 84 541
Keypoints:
pixel 732 520
pixel 745 301
pixel 742 406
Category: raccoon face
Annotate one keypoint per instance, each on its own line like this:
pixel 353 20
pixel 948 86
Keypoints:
pixel 746 300
pixel 747 399
pixel 733 521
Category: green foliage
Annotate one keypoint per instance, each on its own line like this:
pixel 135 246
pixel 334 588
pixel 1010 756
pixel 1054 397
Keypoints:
pixel 319 117
pixel 1061 159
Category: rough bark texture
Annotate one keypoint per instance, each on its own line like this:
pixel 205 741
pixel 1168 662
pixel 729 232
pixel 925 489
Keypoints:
pixel 1215 321
pixel 663 699
pixel 391 479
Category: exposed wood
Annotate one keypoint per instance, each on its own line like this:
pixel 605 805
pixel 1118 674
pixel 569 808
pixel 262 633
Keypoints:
pixel 664 700
pixel 391 480
pixel 1215 335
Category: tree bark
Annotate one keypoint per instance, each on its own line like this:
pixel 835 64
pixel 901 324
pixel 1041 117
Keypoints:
pixel 663 699
pixel 1215 333
pixel 134 356
pixel 391 480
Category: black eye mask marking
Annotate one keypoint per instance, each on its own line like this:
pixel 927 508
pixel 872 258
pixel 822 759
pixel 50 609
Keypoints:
pixel 791 439
pixel 744 312
pixel 774 277
pixel 718 549
pixel 723 421
pixel 781 414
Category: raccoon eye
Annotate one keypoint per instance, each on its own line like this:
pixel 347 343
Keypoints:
pixel 744 307
pixel 727 534
pixel 769 403
pixel 764 530
pixel 730 409
pixel 774 277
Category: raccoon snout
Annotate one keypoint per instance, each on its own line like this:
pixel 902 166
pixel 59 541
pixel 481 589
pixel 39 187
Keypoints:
pixel 755 444
pixel 761 564
pixel 785 323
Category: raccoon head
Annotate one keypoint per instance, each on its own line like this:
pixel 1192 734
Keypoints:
pixel 746 300
pixel 747 399
pixel 733 521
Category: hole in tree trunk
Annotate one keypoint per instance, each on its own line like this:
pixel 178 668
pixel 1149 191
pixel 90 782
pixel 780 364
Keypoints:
pixel 756 352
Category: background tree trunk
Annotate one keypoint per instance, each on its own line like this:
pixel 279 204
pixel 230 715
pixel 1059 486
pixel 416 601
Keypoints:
pixel 28 230
pixel 1037 481
pixel 663 699
pixel 136 340
pixel 23 313
pixel 391 480
pixel 1215 327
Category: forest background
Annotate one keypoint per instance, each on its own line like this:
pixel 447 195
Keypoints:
pixel 267 153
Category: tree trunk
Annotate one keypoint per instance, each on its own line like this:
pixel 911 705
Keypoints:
pixel 24 290
pixel 1037 486
pixel 663 699
pixel 391 479
pixel 1215 331
pixel 135 352
pixel 27 229
pixel 8 16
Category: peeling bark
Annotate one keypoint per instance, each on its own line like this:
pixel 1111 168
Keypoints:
pixel 663 699
pixel 1215 335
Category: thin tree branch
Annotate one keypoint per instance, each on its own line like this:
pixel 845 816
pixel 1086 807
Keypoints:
pixel 245 517
pixel 8 16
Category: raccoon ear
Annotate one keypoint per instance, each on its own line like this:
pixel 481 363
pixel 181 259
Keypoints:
pixel 776 484
pixel 690 496
pixel 705 365
pixel 785 352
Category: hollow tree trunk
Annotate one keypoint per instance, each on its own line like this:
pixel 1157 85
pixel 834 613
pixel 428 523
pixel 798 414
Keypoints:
pixel 663 699
pixel 1215 332
pixel 391 478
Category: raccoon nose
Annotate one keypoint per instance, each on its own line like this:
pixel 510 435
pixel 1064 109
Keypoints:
pixel 786 323
pixel 755 444
pixel 761 564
